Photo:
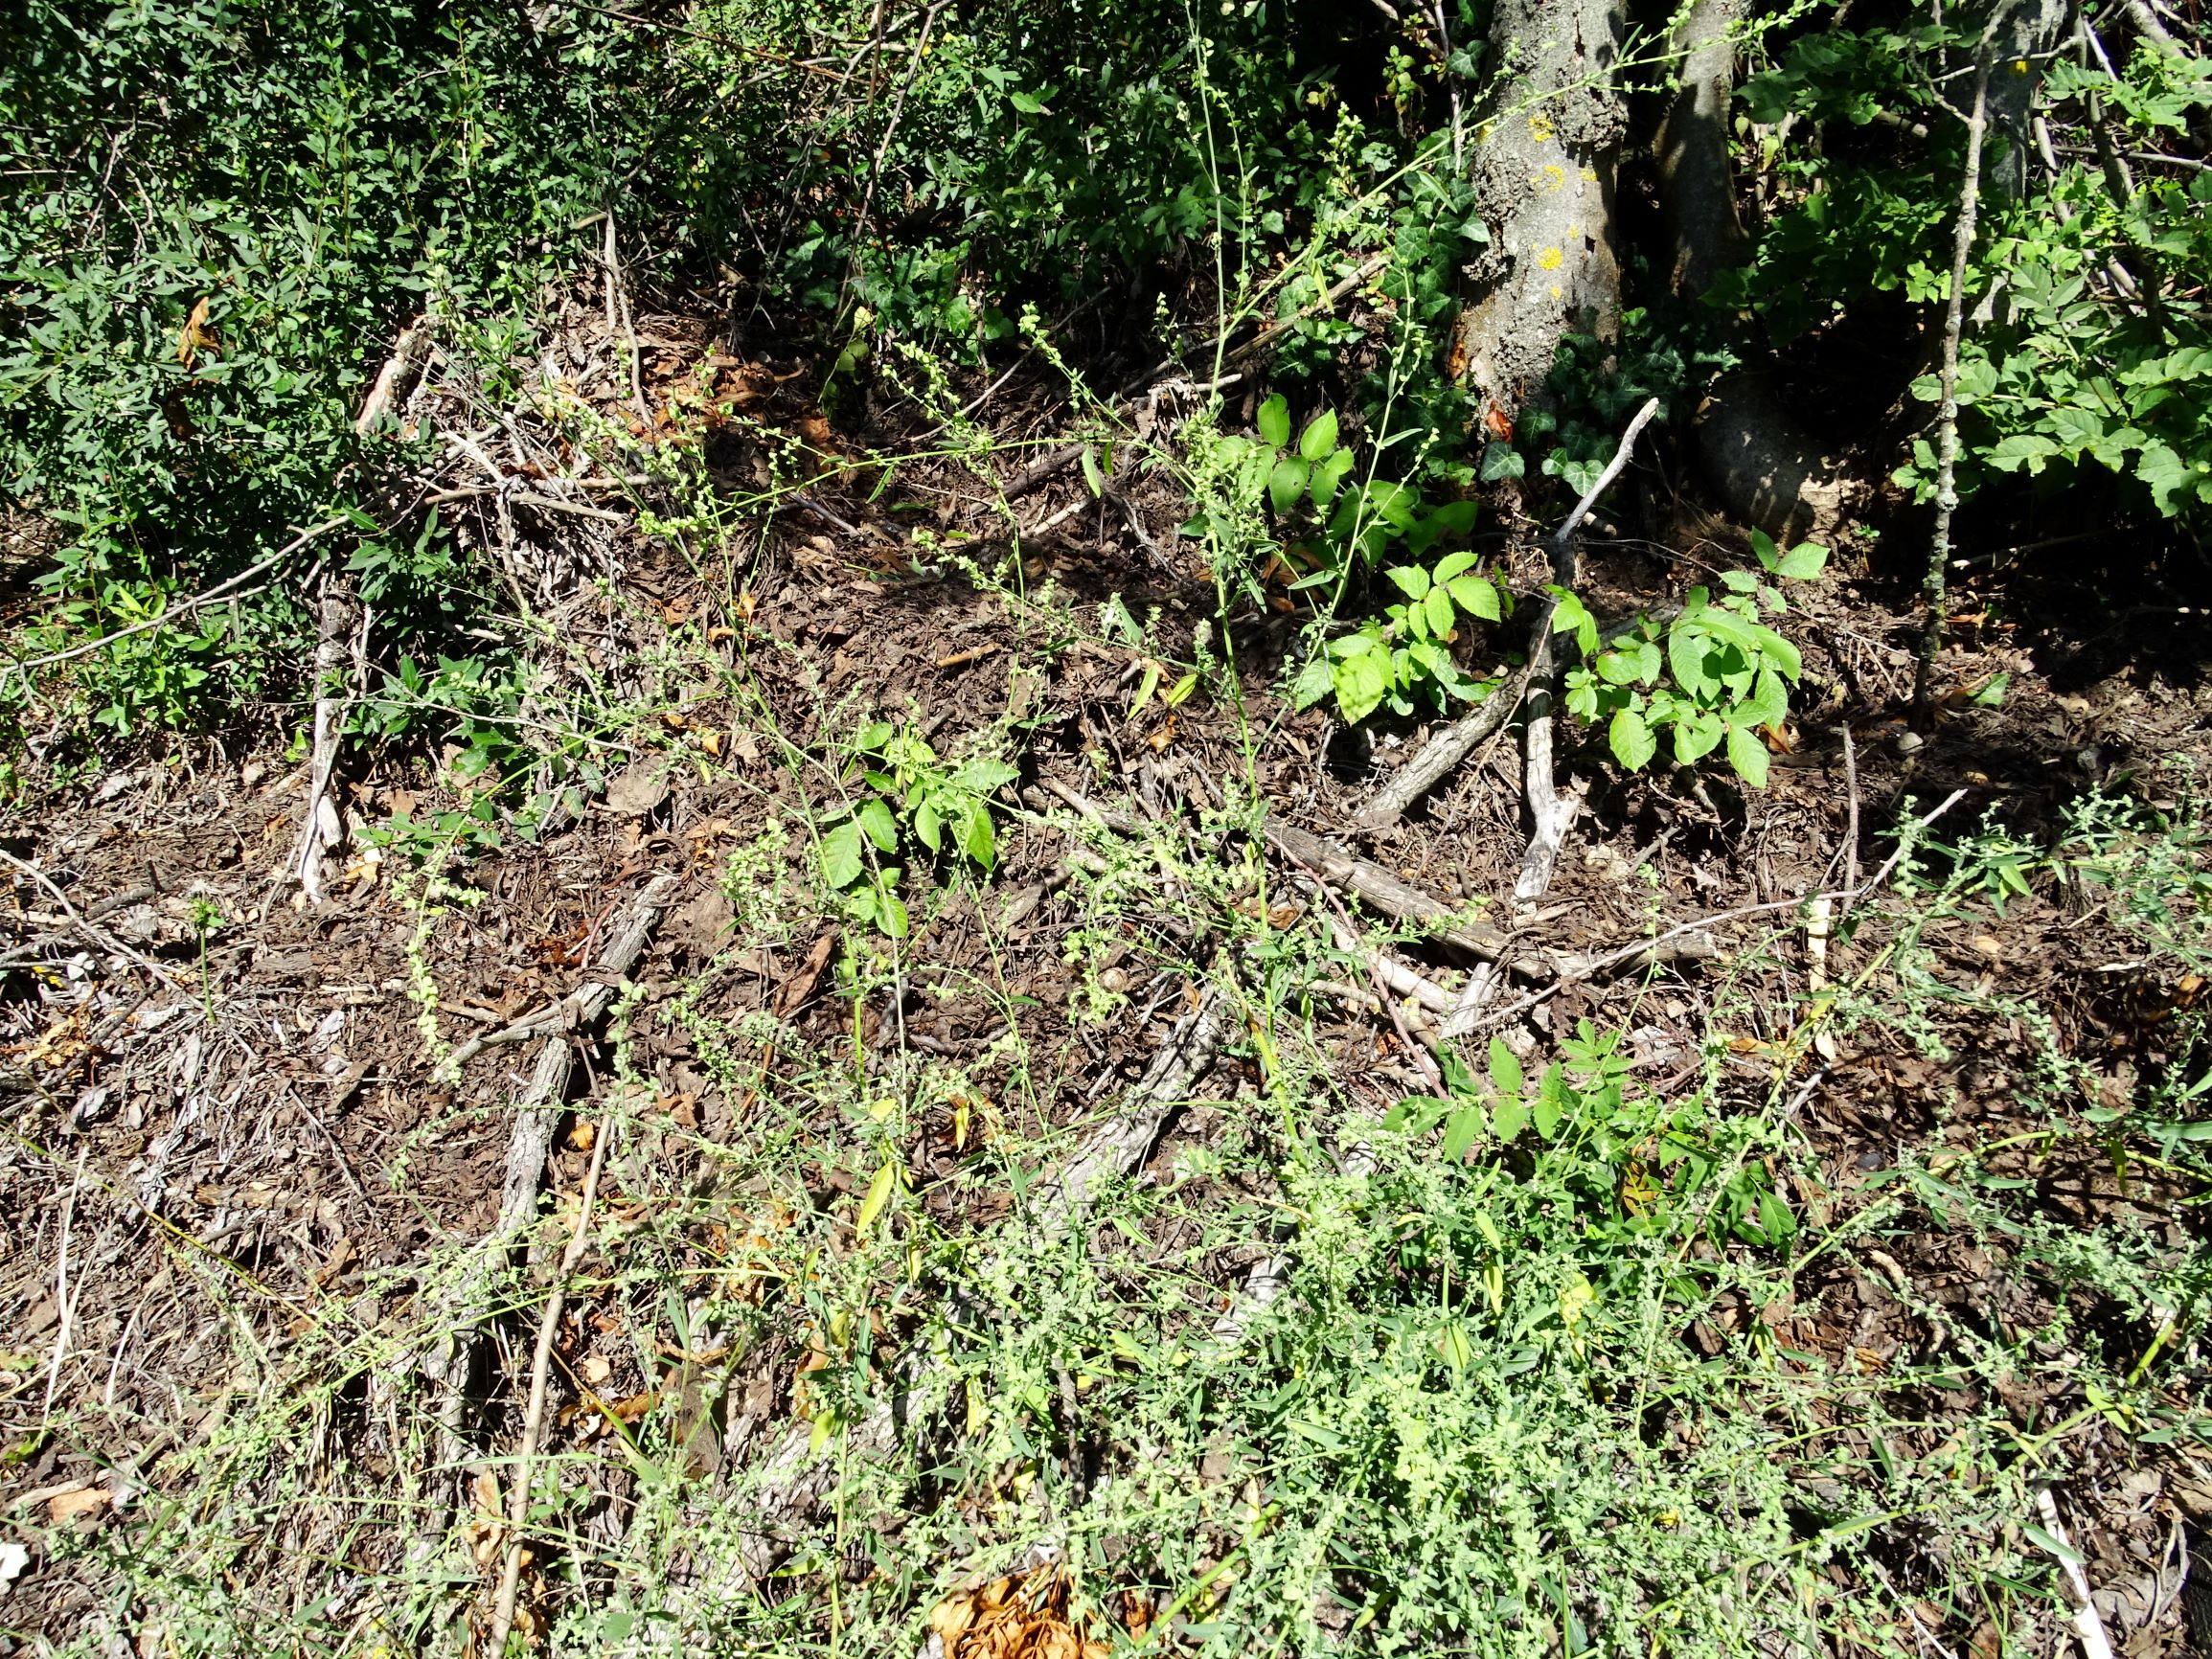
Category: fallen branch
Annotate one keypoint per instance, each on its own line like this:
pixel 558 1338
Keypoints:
pixel 588 1000
pixel 2089 1627
pixel 1551 810
pixel 452 1359
pixel 1348 938
pixel 224 589
pixel 338 615
pixel 533 1419
pixel 1587 967
pixel 398 377
pixel 1440 757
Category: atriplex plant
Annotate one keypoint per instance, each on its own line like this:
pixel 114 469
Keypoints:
pixel 1726 672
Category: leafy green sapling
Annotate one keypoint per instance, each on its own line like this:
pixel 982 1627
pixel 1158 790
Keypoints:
pixel 1715 675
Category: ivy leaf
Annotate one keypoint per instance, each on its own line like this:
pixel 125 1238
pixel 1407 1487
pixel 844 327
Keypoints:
pixel 1632 739
pixel 1274 422
pixel 1747 755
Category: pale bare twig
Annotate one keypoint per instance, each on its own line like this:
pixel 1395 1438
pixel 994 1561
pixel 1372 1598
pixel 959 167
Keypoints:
pixel 533 1419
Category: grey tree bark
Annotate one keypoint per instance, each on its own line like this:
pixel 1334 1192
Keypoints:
pixel 1542 164
pixel 1764 467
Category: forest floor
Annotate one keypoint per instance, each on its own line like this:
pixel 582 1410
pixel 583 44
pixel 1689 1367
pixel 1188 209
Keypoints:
pixel 1825 1252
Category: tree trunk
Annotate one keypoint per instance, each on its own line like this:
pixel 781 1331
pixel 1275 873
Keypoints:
pixel 1543 165
pixel 1766 469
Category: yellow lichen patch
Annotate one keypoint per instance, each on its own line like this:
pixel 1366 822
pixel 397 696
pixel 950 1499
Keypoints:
pixel 1540 128
pixel 1589 175
pixel 1553 178
pixel 1550 260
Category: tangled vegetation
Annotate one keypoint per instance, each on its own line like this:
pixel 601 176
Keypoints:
pixel 1317 829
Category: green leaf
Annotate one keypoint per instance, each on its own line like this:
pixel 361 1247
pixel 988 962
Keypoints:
pixel 1410 579
pixel 1452 564
pixel 1393 502
pixel 1459 1132
pixel 1776 1219
pixel 841 864
pixel 1803 561
pixel 879 1190
pixel 1768 704
pixel 1476 595
pixel 1550 1101
pixel 1632 739
pixel 1696 734
pixel 1780 652
pixel 1314 682
pixel 875 817
pixel 1288 482
pixel 1274 420
pixel 1501 461
pixel 1361 683
pixel 1511 1117
pixel 979 842
pixel 1762 545
pixel 928 827
pixel 1747 755
pixel 1327 478
pixel 1619 668
pixel 1437 604
pixel 1319 437
pixel 1505 1072
pixel 1091 475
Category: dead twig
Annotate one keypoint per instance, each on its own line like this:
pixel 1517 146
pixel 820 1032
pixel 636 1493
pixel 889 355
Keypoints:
pixel 1589 966
pixel 227 588
pixel 1932 586
pixel 1455 742
pixel 533 1419
pixel 1348 937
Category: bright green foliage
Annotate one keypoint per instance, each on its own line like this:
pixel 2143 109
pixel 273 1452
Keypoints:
pixel 1723 673
pixel 945 809
pixel 1408 652
pixel 2061 364
pixel 214 220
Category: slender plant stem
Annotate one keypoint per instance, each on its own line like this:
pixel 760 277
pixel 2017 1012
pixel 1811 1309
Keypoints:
pixel 1947 416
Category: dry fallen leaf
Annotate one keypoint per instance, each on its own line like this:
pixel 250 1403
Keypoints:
pixel 79 1504
pixel 637 788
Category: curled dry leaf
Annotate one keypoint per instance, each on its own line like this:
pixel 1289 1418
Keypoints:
pixel 1029 1618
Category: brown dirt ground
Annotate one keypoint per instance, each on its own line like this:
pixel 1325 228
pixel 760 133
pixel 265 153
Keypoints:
pixel 265 1136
